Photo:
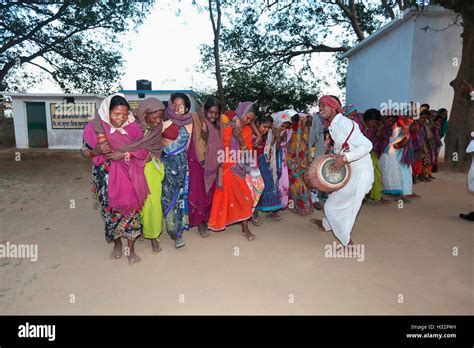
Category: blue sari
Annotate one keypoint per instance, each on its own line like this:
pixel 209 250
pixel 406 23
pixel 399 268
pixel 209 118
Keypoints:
pixel 174 199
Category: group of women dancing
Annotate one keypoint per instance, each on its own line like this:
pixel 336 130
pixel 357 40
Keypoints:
pixel 172 169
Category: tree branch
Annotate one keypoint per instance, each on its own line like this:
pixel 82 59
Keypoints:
pixel 388 8
pixel 52 73
pixel 33 31
pixel 351 13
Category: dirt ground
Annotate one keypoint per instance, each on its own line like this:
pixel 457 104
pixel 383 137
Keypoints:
pixel 418 258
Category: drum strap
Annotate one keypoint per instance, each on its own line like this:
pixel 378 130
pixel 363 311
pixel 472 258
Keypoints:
pixel 345 145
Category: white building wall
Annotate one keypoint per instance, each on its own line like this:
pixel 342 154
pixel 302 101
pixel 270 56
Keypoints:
pixel 67 139
pixel 57 138
pixel 407 63
pixel 436 59
pixel 19 123
pixel 381 70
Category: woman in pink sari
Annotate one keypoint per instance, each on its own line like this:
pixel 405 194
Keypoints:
pixel 118 173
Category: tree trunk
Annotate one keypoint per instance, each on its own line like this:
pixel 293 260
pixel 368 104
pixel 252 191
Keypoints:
pixel 220 88
pixel 461 120
pixel 216 29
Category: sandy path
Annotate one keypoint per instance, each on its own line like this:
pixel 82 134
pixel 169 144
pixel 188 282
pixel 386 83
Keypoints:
pixel 408 252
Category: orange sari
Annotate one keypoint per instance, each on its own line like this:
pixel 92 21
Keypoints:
pixel 234 202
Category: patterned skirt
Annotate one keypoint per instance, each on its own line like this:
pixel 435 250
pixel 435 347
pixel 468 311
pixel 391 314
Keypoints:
pixel 116 224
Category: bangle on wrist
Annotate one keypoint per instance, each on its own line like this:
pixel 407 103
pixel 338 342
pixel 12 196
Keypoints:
pixel 127 156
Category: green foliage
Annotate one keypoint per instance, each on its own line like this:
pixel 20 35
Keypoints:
pixel 74 43
pixel 266 50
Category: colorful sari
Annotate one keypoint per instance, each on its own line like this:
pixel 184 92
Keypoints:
pixel 270 198
pixel 120 186
pixel 151 213
pixel 174 198
pixel 427 156
pixel 297 160
pixel 284 180
pixel 199 200
pixel 283 184
pixel 235 201
pixel 396 175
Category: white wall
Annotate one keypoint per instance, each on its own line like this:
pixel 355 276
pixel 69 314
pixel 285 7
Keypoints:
pixel 19 123
pixel 407 63
pixel 433 63
pixel 57 138
pixel 381 70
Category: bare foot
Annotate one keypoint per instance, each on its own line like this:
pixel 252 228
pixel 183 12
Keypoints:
pixel 318 223
pixel 246 232
pixel 133 258
pixel 414 195
pixel 117 251
pixel 155 245
pixel 203 231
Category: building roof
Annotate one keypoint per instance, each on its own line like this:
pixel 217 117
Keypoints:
pixel 158 91
pixel 51 95
pixel 394 23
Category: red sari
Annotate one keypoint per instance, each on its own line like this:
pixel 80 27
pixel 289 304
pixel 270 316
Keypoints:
pixel 234 202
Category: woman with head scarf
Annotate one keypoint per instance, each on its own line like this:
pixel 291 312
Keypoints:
pixel 150 118
pixel 297 158
pixel 235 201
pixel 205 172
pixel 118 177
pixel 265 147
pixel 351 146
pixel 176 135
pixel 395 166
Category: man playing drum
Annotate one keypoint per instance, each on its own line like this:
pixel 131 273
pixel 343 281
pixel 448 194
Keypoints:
pixel 351 146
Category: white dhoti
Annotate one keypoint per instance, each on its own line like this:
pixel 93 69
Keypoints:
pixel 342 207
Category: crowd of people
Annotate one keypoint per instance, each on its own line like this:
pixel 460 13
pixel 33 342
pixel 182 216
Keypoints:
pixel 172 169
